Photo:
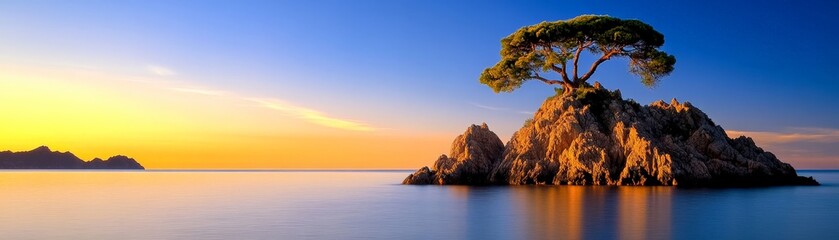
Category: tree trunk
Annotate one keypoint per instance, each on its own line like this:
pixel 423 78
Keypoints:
pixel 567 88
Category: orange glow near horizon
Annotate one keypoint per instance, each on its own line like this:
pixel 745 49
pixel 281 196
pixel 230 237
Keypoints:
pixel 166 126
pixel 175 124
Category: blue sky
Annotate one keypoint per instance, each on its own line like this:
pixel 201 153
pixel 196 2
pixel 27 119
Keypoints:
pixel 414 65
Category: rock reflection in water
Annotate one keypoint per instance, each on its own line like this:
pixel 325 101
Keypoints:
pixel 566 212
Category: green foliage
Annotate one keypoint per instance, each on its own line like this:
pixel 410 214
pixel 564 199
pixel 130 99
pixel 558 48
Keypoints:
pixel 554 47
pixel 528 122
pixel 558 91
pixel 595 96
pixel 652 66
pixel 584 91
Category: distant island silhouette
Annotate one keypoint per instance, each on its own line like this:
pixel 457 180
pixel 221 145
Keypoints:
pixel 44 158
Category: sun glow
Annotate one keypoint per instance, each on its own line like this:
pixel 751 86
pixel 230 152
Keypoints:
pixel 165 125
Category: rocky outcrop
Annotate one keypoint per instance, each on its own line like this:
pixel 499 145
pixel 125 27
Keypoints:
pixel 597 138
pixel 44 158
pixel 474 155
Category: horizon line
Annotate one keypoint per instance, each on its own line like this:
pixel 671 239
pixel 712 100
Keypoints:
pixel 212 170
pixel 262 170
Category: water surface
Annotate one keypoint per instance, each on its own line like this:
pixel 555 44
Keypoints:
pixel 371 204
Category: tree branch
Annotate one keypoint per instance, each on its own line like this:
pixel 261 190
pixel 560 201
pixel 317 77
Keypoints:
pixel 594 65
pixel 545 80
pixel 583 45
pixel 561 72
pixel 577 59
pixel 557 69
pixel 564 72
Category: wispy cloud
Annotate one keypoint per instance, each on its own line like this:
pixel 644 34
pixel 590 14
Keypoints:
pixel 287 108
pixel 791 135
pixel 160 70
pixel 491 108
pixel 311 115
pixel 199 91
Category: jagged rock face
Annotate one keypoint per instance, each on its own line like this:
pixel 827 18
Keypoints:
pixel 473 157
pixel 601 139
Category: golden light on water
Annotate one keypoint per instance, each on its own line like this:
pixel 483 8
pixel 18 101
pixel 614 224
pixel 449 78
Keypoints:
pixel 568 211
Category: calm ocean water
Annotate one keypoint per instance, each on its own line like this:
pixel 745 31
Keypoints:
pixel 372 205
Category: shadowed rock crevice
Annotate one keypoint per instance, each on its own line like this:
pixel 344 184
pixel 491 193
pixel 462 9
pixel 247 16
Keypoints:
pixel 597 138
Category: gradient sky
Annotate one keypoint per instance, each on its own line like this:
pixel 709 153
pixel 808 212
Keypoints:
pixel 378 84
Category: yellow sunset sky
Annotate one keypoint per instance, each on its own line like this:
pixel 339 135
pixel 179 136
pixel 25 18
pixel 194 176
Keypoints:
pixel 168 124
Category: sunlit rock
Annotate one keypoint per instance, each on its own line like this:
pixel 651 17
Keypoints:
pixel 600 139
pixel 473 156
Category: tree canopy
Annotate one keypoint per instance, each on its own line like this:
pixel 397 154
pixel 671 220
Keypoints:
pixel 557 46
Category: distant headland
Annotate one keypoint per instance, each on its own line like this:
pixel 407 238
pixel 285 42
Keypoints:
pixel 44 158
